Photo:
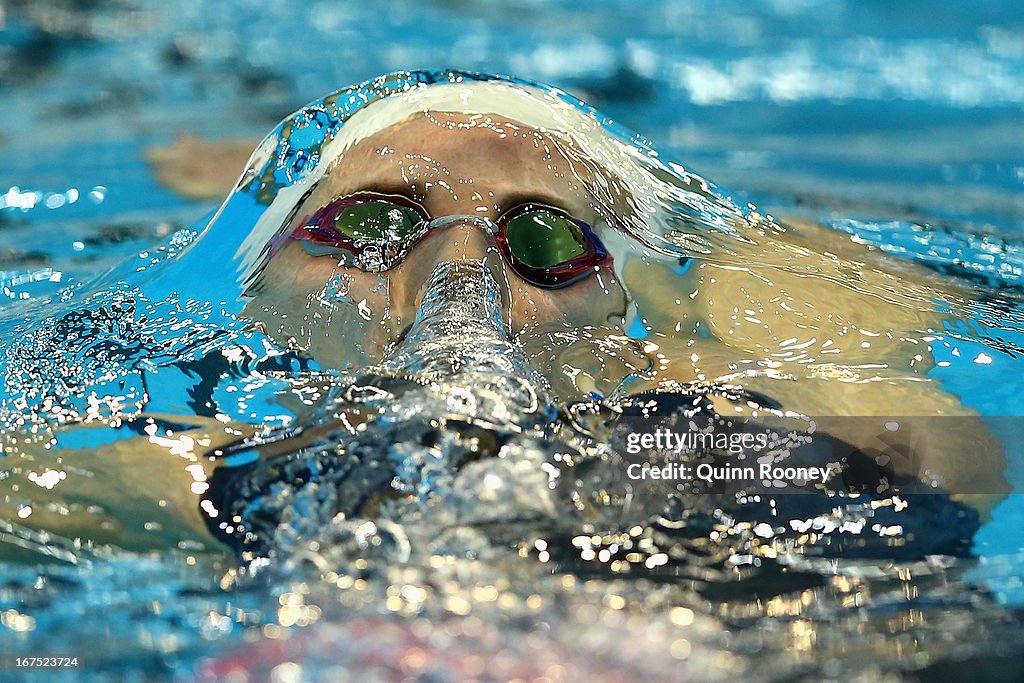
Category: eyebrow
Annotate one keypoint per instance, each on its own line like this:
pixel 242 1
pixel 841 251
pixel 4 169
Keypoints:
pixel 421 195
pixel 386 187
pixel 518 199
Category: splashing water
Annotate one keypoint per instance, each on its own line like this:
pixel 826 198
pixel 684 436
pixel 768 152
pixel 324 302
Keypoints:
pixel 447 496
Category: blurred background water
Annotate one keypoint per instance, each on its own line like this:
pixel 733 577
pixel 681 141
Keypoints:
pixel 883 119
pixel 865 108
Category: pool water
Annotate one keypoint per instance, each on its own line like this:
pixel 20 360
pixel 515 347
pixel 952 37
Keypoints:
pixel 899 128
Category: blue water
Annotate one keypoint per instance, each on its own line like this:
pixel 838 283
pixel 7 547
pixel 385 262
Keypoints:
pixel 886 120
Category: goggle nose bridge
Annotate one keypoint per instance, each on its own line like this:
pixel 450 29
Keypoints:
pixel 489 226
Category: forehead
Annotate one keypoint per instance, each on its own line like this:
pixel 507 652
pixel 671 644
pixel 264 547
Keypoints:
pixel 472 153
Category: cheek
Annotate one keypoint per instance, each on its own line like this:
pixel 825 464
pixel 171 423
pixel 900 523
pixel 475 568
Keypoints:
pixel 339 315
pixel 316 282
pixel 588 303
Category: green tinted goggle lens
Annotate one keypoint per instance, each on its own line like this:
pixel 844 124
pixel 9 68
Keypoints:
pixel 542 239
pixel 376 221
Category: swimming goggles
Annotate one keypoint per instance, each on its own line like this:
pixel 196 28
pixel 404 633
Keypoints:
pixel 544 245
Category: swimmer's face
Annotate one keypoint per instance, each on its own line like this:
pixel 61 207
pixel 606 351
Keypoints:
pixel 483 166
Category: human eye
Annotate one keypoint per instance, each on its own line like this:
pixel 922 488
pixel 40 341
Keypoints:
pixel 360 220
pixel 549 247
pixel 541 237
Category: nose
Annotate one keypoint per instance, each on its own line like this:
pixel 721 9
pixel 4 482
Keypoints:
pixel 456 239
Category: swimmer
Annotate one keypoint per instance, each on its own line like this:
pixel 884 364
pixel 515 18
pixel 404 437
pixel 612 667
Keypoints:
pixel 796 312
pixel 604 288
pixel 439 187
